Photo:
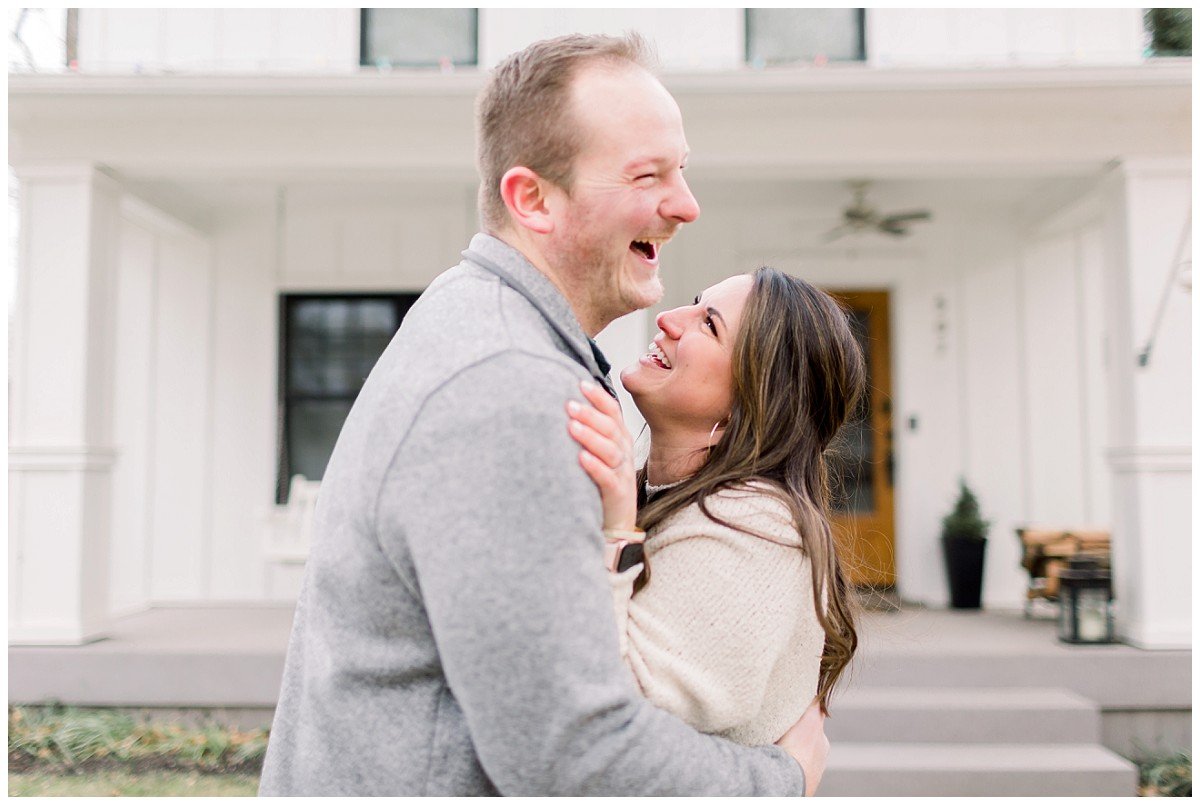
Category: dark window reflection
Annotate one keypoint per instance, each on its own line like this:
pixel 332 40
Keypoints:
pixel 329 346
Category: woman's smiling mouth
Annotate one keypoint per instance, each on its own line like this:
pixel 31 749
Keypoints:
pixel 657 357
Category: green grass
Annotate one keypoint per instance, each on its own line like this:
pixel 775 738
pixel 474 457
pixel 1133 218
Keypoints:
pixel 67 737
pixel 116 783
pixel 1169 776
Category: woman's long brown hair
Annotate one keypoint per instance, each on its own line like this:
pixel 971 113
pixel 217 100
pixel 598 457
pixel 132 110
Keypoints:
pixel 798 372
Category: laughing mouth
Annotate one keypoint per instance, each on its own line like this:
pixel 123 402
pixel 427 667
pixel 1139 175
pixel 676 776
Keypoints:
pixel 648 248
pixel 656 354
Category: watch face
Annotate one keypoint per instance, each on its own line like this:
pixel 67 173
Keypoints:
pixel 630 555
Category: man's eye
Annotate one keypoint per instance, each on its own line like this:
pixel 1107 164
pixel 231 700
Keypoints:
pixel 644 176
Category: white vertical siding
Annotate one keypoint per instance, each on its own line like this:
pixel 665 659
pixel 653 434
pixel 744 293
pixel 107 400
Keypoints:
pixel 994 388
pixel 1098 502
pixel 685 39
pixel 936 36
pixel 190 37
pixel 327 40
pixel 1053 403
pixel 218 40
pixel 133 483
pixel 397 243
pixel 181 448
pixel 244 413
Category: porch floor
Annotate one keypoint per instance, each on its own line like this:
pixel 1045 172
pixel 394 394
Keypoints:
pixel 232 656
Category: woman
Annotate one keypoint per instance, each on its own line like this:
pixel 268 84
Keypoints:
pixel 741 614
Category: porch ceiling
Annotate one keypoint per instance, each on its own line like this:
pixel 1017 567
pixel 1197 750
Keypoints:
pixel 799 124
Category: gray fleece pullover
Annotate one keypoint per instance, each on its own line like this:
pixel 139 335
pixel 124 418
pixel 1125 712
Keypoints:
pixel 454 633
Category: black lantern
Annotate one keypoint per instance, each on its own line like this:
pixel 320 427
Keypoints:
pixel 1085 602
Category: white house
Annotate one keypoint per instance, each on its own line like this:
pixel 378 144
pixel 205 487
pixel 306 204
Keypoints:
pixel 224 214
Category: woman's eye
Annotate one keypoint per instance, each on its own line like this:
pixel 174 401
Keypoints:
pixel 708 322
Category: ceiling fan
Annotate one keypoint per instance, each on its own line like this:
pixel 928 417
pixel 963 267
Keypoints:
pixel 861 217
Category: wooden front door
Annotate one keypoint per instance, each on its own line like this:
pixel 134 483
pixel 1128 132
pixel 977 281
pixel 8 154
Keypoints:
pixel 861 467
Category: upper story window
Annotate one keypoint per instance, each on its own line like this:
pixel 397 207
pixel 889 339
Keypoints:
pixel 1170 31
pixel 420 37
pixel 328 346
pixel 805 35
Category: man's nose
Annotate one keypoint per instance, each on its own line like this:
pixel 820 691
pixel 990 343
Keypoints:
pixel 681 205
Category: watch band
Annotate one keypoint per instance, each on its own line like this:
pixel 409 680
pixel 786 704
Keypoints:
pixel 621 555
pixel 623 549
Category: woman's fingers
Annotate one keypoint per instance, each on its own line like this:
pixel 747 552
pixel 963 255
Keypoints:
pixel 600 398
pixel 602 475
pixel 599 445
pixel 596 420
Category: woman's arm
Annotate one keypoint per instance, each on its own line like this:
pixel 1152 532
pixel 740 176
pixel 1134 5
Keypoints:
pixel 720 616
pixel 728 616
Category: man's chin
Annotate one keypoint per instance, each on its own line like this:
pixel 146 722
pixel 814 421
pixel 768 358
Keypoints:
pixel 643 295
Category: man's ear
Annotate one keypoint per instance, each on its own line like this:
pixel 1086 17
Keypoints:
pixel 524 195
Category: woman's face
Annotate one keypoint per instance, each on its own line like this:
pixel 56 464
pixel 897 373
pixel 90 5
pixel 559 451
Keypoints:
pixel 686 377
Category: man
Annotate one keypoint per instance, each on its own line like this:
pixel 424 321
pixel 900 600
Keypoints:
pixel 454 634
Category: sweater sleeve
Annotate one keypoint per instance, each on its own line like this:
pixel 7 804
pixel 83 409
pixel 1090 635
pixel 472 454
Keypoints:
pixel 512 586
pixel 705 635
pixel 622 590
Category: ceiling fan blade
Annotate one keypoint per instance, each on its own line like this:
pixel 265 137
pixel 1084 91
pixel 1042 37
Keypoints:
pixel 904 217
pixel 893 229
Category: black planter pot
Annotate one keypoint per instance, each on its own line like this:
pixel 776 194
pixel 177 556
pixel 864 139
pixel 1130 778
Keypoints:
pixel 964 570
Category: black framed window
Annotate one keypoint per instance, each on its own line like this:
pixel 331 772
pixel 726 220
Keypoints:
pixel 790 35
pixel 1170 31
pixel 328 345
pixel 419 37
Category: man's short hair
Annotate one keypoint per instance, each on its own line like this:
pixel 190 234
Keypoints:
pixel 523 115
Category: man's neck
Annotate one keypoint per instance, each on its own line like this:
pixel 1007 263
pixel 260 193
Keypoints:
pixel 575 298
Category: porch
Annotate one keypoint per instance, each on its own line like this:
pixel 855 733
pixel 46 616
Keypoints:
pixel 940 703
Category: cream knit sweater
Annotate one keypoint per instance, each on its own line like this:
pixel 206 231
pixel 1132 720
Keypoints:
pixel 725 634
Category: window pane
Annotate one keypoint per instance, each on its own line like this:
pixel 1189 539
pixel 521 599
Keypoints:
pixel 852 460
pixel 333 343
pixel 783 35
pixel 418 37
pixel 313 428
pixel 1170 31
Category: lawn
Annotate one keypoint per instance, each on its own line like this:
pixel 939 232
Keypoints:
pixel 67 751
pixel 119 783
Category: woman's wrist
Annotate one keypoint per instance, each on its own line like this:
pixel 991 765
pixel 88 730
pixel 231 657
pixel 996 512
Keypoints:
pixel 623 549
pixel 630 534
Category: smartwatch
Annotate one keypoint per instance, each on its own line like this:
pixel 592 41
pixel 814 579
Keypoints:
pixel 623 549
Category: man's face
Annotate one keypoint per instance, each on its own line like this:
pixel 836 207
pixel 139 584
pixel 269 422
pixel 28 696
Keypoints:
pixel 628 195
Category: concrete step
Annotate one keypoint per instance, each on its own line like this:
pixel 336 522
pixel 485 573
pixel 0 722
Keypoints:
pixel 1115 677
pixel 943 770
pixel 963 715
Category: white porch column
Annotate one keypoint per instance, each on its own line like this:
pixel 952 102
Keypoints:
pixel 60 453
pixel 1146 214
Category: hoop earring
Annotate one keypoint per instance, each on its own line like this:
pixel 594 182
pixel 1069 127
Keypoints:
pixel 713 433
